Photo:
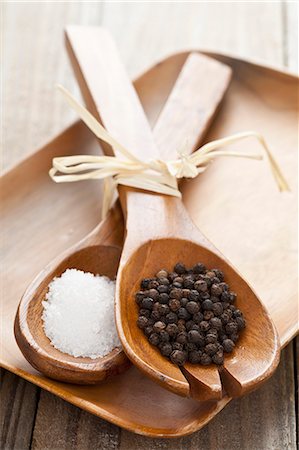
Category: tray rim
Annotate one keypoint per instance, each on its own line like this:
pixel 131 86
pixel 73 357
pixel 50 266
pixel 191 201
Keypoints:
pixel 38 380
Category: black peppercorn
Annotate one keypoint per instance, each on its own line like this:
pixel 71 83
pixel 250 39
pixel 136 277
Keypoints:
pixel 188 283
pixel 153 284
pixel 190 347
pixel 180 268
pixel 155 315
pixel 210 274
pixel 204 296
pixel 172 329
pixel 211 349
pixel 218 358
pixel 196 337
pixel 163 309
pixel 142 322
pixel 154 339
pixel 183 314
pixel 208 315
pixel 207 305
pixel 205 359
pixel 217 309
pixel 231 328
pixel 182 338
pixel 216 323
pixel 225 318
pixel 163 298
pixel 162 274
pixel 144 283
pixel 201 286
pixel 192 307
pixel 189 325
pixel 172 276
pixel 178 357
pixel 163 281
pixel 193 295
pixel 219 274
pixel 159 326
pixel 224 286
pixel 145 312
pixel 237 313
pixel 204 325
pixel 211 338
pixel 198 317
pixel 174 304
pixel 176 293
pixel 171 317
pixel 177 346
pixel 185 293
pixel 228 345
pixel 179 280
pixel 139 296
pixel 177 285
pixel 147 303
pixel 216 290
pixel 234 337
pixel 166 349
pixel 194 356
pixel 240 323
pixel 153 293
pixel 181 325
pixel 163 289
pixel 184 301
pixel 148 330
pixel 232 297
pixel 199 268
pixel 164 336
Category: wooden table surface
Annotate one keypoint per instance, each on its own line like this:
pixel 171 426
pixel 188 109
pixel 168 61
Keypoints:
pixel 34 60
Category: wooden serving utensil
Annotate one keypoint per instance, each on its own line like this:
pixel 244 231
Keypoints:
pixel 159 233
pixel 99 252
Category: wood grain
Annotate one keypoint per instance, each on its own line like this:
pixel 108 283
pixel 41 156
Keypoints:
pixel 258 36
pixel 17 411
pixel 70 428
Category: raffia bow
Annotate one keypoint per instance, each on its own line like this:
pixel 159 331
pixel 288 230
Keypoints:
pixel 154 175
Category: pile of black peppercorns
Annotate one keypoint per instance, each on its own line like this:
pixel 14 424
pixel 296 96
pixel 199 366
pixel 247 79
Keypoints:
pixel 189 314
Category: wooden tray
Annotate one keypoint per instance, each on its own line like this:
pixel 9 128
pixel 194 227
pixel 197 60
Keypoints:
pixel 235 203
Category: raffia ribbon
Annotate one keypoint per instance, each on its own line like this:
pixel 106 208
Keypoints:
pixel 153 175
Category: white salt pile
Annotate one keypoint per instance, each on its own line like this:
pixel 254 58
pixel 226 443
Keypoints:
pixel 79 314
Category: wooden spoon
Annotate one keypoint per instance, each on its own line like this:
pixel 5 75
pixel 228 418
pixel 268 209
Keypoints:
pixel 99 252
pixel 159 233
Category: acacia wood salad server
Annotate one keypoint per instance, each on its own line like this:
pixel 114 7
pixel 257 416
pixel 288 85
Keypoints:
pixel 159 233
pixel 99 252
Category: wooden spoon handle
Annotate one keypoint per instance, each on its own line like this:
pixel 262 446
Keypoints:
pixel 108 91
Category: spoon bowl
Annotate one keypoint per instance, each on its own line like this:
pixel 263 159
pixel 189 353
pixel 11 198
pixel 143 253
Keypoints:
pixel 90 255
pixel 256 354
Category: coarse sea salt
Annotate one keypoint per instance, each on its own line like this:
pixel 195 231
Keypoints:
pixel 79 314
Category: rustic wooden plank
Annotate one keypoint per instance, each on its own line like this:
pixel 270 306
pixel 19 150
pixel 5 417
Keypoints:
pixel 262 420
pixel 60 426
pixel 17 411
pixel 148 31
pixel 35 61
